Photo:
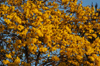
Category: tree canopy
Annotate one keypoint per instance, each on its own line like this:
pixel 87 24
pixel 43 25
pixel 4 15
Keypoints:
pixel 49 32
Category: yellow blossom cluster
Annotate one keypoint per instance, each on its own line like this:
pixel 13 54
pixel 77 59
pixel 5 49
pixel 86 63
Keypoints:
pixel 55 58
pixel 39 28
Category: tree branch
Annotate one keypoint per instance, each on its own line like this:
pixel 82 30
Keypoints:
pixel 37 59
pixel 26 53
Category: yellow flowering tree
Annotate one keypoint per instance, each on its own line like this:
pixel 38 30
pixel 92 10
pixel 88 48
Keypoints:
pixel 42 32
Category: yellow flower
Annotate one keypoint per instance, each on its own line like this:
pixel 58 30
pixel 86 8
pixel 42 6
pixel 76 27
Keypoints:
pixel 39 18
pixel 35 10
pixel 47 38
pixel 40 49
pixel 91 58
pixel 20 27
pixel 45 16
pixel 7 21
pixel 17 60
pixel 90 37
pixel 94 35
pixel 79 57
pixel 80 26
pixel 39 33
pixel 9 16
pixel 8 56
pixel 97 14
pixel 24 32
pixel 18 41
pixel 48 55
pixel 55 58
pixel 18 20
pixel 43 49
pixel 54 48
pixel 6 61
pixel 34 40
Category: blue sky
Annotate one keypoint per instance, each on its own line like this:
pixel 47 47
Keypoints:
pixel 89 2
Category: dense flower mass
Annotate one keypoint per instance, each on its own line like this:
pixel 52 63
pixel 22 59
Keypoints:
pixel 55 32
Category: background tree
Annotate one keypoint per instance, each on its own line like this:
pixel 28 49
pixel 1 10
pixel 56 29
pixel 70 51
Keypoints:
pixel 37 32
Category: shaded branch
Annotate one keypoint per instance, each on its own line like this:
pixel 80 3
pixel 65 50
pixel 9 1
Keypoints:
pixel 37 59
pixel 26 53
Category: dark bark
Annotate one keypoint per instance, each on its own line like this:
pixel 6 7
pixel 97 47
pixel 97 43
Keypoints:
pixel 37 59
pixel 26 53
